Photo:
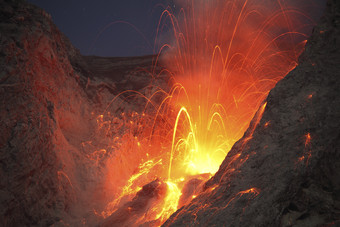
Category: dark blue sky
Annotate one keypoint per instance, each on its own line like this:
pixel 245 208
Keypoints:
pixel 94 27
pixel 83 21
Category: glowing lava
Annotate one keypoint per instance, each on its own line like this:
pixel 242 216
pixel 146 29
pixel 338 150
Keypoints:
pixel 225 58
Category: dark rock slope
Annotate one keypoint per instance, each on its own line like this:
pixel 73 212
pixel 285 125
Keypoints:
pixel 50 96
pixel 287 171
pixel 34 117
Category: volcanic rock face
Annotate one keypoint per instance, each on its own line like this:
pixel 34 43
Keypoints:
pixel 132 211
pixel 50 97
pixel 35 69
pixel 286 172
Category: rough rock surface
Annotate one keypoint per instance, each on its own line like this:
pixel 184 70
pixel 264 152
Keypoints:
pixel 50 96
pixel 286 172
pixel 132 212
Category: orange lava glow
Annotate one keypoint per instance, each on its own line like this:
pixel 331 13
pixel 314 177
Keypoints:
pixel 223 61
pixel 253 192
pixel 308 139
pixel 307 149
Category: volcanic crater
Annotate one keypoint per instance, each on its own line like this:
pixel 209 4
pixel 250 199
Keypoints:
pixel 112 141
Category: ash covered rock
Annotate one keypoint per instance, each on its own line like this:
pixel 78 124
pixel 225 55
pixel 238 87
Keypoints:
pixel 286 172
pixel 123 76
pixel 40 100
pixel 49 99
pixel 136 211
pixel 192 187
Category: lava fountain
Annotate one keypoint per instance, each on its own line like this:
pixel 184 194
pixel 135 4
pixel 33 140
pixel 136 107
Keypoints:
pixel 223 58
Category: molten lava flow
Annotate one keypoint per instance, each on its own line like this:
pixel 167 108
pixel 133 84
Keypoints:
pixel 225 58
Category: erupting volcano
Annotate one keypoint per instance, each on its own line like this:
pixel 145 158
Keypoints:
pixel 225 58
pixel 145 141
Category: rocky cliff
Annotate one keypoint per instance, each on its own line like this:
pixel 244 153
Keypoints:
pixel 285 170
pixel 50 98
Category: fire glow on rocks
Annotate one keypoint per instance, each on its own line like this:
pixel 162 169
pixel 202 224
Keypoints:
pixel 225 58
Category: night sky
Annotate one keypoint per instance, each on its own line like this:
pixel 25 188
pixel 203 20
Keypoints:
pixel 107 27
pixel 83 23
